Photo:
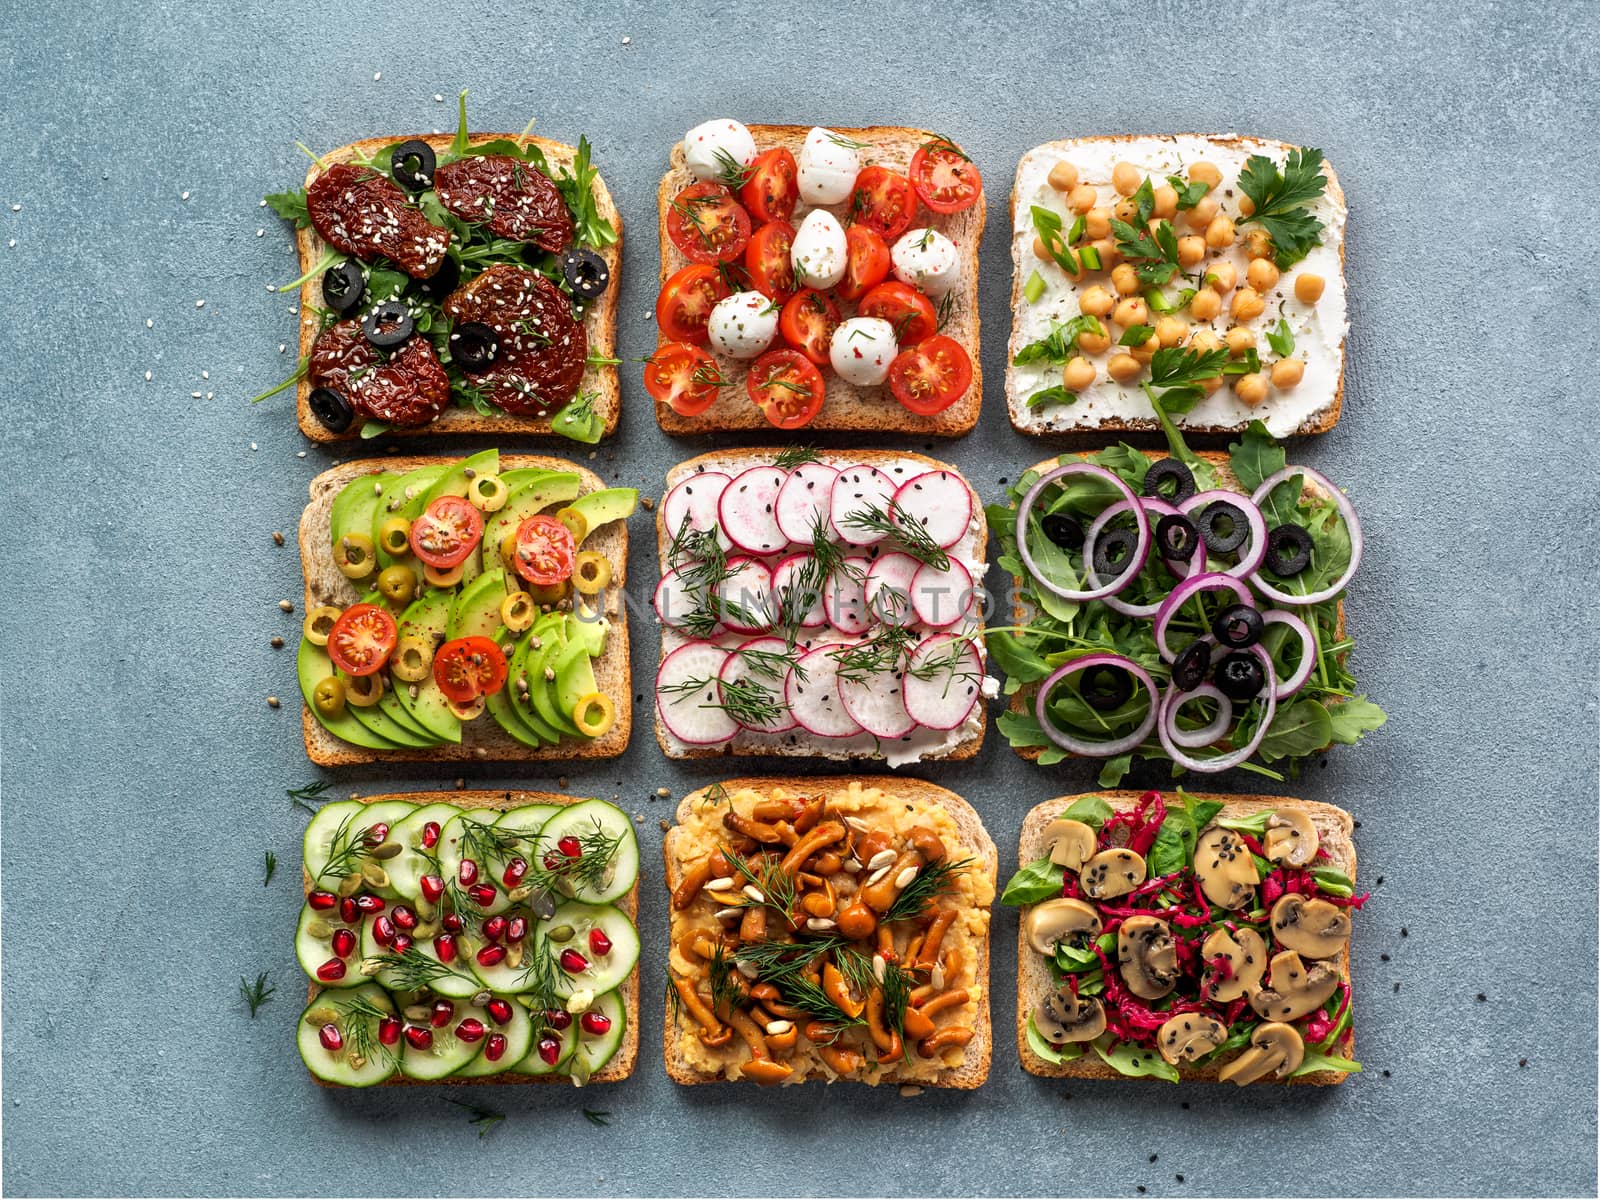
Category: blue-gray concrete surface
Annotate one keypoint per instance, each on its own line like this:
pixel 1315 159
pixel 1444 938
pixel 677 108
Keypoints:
pixel 144 774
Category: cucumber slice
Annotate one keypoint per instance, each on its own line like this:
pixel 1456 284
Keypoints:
pixel 384 812
pixel 312 666
pixel 453 847
pixel 333 821
pixel 518 1032
pixel 315 949
pixel 528 820
pixel 419 966
pixel 595 1050
pixel 506 976
pixel 361 1060
pixel 414 861
pixel 601 973
pixel 566 1041
pixel 445 1055
pixel 606 837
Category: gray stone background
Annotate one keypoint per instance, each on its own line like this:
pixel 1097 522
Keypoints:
pixel 144 774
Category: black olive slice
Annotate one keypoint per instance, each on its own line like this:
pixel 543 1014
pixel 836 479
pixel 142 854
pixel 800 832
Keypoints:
pixel 388 325
pixel 332 409
pixel 1104 687
pixel 1189 669
pixel 586 273
pixel 412 163
pixel 443 281
pixel 1239 676
pixel 1223 527
pixel 1063 530
pixel 473 346
pixel 1288 550
pixel 343 285
pixel 1168 479
pixel 1113 552
pixel 1238 627
pixel 1176 538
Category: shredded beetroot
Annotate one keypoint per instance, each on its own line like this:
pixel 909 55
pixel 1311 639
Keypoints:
pixel 1284 880
pixel 1255 847
pixel 1069 886
pixel 1145 836
pixel 1129 1018
pixel 1320 1024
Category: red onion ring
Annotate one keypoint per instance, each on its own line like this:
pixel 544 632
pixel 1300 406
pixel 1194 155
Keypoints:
pixel 1222 762
pixel 1308 651
pixel 1151 504
pixel 1096 749
pixel 1346 510
pixel 1208 581
pixel 1252 516
pixel 1193 739
pixel 1025 510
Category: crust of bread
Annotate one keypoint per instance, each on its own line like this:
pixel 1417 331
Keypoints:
pixel 846 406
pixel 1318 422
pixel 325 585
pixel 735 461
pixel 627 1055
pixel 1022 700
pixel 971 1073
pixel 599 323
pixel 1334 828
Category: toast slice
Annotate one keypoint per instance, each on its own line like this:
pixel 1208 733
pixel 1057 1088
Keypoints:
pixel 700 809
pixel 481 740
pixel 795 745
pixel 599 323
pixel 1334 828
pixel 1312 406
pixel 627 1055
pixel 845 406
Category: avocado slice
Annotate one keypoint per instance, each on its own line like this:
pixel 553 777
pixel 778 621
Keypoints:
pixel 542 690
pixel 590 629
pixel 389 718
pixel 574 675
pixel 607 505
pixel 427 619
pixel 524 709
pixel 557 487
pixel 509 719
pixel 454 481
pixel 476 610
pixel 354 505
pixel 398 496
pixel 313 665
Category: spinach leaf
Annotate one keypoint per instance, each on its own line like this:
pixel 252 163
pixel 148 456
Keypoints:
pixel 1071 959
pixel 1135 1061
pixel 1052 395
pixel 1353 718
pixel 1091 810
pixel 1022 731
pixel 1301 728
pixel 1174 844
pixel 1255 457
pixel 1038 880
pixel 1316 1060
pixel 1051 1054
pixel 1255 823
pixel 291 206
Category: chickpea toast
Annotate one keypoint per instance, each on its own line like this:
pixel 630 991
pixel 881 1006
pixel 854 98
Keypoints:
pixel 838 930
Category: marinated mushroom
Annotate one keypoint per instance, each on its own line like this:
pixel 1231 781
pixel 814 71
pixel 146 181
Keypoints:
pixel 1312 928
pixel 1246 955
pixel 1112 873
pixel 1294 989
pixel 1189 1036
pixel 1069 843
pixel 1291 838
pixel 1065 1017
pixel 1049 924
pixel 1225 867
pixel 1147 957
pixel 1274 1047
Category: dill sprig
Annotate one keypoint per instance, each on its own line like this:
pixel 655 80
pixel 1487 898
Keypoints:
pixel 774 960
pixel 912 537
pixel 887 648
pixel 597 846
pixel 540 981
pixel 714 795
pixel 725 993
pixel 485 843
pixel 346 849
pixel 952 661
pixel 771 880
pixel 730 172
pixel 597 1117
pixel 301 797
pixel 933 881
pixel 271 862
pixel 484 1119
pixel 746 701
pixel 361 1018
pixel 769 664
pixel 791 457
pixel 411 968
pixel 256 994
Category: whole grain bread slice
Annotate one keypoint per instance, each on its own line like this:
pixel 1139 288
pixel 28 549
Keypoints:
pixel 974 1071
pixel 1334 827
pixel 599 322
pixel 481 740
pixel 627 1055
pixel 845 406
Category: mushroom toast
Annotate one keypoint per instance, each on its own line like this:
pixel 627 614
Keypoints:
pixel 469 937
pixel 836 931
pixel 464 609
pixel 459 284
pixel 1186 937
pixel 1126 251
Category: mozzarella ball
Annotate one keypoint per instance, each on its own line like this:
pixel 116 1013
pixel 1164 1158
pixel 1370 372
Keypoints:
pixel 828 169
pixel 862 349
pixel 743 325
pixel 702 143
pixel 927 260
pixel 819 250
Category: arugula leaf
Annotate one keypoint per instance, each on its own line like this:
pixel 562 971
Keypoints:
pixel 1052 395
pixel 1126 463
pixel 1348 721
pixel 1022 730
pixel 1255 823
pixel 1281 198
pixel 1200 811
pixel 577 189
pixel 1112 773
pixel 291 206
pixel 1091 810
pixel 1255 457
pixel 1281 338
pixel 1135 1061
pixel 1060 343
pixel 1038 880
pixel 1017 660
pixel 1048 226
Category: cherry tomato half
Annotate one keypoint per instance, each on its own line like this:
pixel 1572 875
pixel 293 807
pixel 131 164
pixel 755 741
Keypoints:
pixel 469 667
pixel 769 263
pixel 866 262
pixel 807 323
pixel 362 639
pixel 945 179
pixel 447 532
pixel 682 376
pixel 545 551
pixel 773 188
pixel 883 201
pixel 707 224
pixel 787 387
pixel 931 376
pixel 685 303
pixel 908 310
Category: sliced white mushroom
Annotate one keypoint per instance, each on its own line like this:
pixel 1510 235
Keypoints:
pixel 1246 955
pixel 1147 957
pixel 1293 989
pixel 1049 924
pixel 1069 843
pixel 1112 873
pixel 1291 838
pixel 1225 867
pixel 1189 1036
pixel 1312 928
pixel 1065 1017
pixel 1274 1047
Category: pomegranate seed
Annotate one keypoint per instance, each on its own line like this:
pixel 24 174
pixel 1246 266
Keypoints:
pixel 389 1030
pixel 495 928
pixel 369 904
pixel 516 929
pixel 344 942
pixel 443 1013
pixel 453 922
pixel 595 1023
pixel 383 931
pixel 330 1037
pixel 331 970
pixel 550 1050
pixel 499 1010
pixel 558 1018
pixel 599 942
pixel 471 1030
pixel 322 901
pixel 482 894
pixel 420 1036
pixel 515 870
pixel 570 846
pixel 402 943
pixel 432 887
pixel 495 1047
pixel 430 835
pixel 467 873
pixel 378 834
pixel 491 955
pixel 445 947
pixel 404 917
pixel 348 912
pixel 552 862
pixel 572 962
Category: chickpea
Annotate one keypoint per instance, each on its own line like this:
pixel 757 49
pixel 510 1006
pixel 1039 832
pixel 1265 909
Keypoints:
pixel 1257 244
pixel 1125 178
pixel 1287 372
pixel 1204 212
pixel 1077 374
pixel 1125 279
pixel 1097 223
pixel 1082 198
pixel 1063 176
pixel 1191 250
pixel 1247 206
pixel 1110 256
pixel 1125 210
pixel 1094 343
pixel 1124 368
pixel 1262 274
pixel 1248 304
pixel 1147 351
pixel 1308 288
pixel 1205 305
pixel 1251 388
pixel 1240 341
pixel 1205 341
pixel 1170 330
pixel 1222 277
pixel 1166 205
pixel 1132 311
pixel 1095 301
pixel 1220 234
pixel 1205 172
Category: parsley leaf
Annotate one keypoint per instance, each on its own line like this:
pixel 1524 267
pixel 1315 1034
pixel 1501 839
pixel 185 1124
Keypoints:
pixel 1154 255
pixel 1136 335
pixel 1060 343
pixel 1281 198
pixel 1189 192
pixel 1281 338
pixel 1052 395
pixel 291 206
pixel 1178 373
pixel 1048 226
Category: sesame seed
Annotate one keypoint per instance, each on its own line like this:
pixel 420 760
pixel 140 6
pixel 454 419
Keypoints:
pixel 437 98
pixel 16 208
pixel 199 303
pixel 261 233
pixel 377 75
pixel 196 396
pixel 627 41
pixel 253 446
pixel 149 323
pixel 185 196
pixel 205 374
pixel 263 204
pixel 148 376
pixel 12 244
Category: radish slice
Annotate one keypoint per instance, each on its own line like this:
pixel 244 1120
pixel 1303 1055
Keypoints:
pixel 944 679
pixel 803 500
pixel 877 704
pixel 939 501
pixel 752 665
pixel 676 603
pixel 744 596
pixel 844 598
pixel 941 598
pixel 889 589
pixel 745 510
pixel 858 489
pixel 812 690
pixel 688 698
pixel 793 574
pixel 693 499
